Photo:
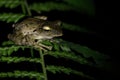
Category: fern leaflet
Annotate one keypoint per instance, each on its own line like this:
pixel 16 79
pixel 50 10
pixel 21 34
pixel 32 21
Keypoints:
pixel 9 3
pixel 22 74
pixel 10 17
pixel 68 71
pixel 19 59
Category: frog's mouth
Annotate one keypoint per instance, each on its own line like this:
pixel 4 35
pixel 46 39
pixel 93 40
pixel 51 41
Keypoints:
pixel 46 37
pixel 58 35
pixel 43 37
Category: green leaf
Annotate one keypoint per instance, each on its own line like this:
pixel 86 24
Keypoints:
pixel 16 74
pixel 85 6
pixel 9 3
pixel 10 17
pixel 68 71
pixel 98 57
pixel 69 55
pixel 6 43
pixel 7 51
pixel 65 47
pixel 19 59
pixel 48 6
pixel 46 42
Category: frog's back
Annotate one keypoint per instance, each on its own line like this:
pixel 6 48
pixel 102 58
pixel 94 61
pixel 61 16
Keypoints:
pixel 29 23
pixel 32 21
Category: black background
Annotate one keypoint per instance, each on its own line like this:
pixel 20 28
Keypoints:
pixel 103 39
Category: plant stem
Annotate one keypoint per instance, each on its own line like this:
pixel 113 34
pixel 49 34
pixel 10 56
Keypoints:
pixel 23 7
pixel 27 7
pixel 43 65
pixel 32 53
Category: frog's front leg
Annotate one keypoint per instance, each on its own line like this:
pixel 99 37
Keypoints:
pixel 37 44
pixel 39 47
pixel 44 46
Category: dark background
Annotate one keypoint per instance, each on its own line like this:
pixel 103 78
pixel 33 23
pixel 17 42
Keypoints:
pixel 102 39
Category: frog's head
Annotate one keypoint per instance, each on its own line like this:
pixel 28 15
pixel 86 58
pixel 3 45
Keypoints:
pixel 49 30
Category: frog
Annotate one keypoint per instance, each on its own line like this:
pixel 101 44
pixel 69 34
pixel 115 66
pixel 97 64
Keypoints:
pixel 33 30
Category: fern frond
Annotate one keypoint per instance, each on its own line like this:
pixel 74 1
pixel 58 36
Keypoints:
pixel 68 71
pixel 69 55
pixel 7 51
pixel 68 49
pixel 86 6
pixel 98 57
pixel 10 17
pixel 48 6
pixel 22 74
pixel 19 59
pixel 9 3
pixel 6 43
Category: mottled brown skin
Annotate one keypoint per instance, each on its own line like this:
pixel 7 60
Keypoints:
pixel 31 31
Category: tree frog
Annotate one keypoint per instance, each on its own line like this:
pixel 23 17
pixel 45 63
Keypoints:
pixel 32 31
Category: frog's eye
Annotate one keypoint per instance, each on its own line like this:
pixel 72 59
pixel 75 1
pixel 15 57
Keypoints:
pixel 47 28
